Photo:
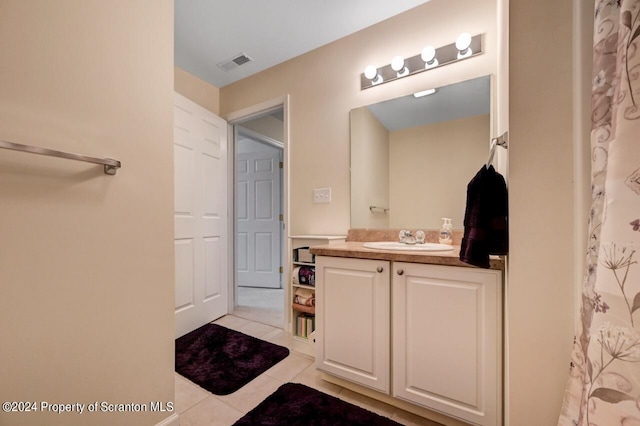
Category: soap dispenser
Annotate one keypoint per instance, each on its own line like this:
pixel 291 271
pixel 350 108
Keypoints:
pixel 446 232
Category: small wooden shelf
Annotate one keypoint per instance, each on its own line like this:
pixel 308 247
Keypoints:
pixel 304 264
pixel 309 287
pixel 303 308
pixel 300 343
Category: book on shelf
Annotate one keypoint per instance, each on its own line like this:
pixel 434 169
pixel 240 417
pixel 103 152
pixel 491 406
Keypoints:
pixel 305 325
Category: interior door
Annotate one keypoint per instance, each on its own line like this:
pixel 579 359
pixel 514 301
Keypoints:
pixel 200 170
pixel 258 218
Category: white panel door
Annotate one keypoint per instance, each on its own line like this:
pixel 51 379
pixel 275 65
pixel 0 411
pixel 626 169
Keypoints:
pixel 258 219
pixel 447 340
pixel 352 320
pixel 200 170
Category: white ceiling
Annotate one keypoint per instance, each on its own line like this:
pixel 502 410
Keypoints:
pixel 208 32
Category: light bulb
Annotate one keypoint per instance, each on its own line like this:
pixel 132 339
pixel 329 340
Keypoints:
pixel 370 72
pixel 428 55
pixel 463 43
pixel 397 63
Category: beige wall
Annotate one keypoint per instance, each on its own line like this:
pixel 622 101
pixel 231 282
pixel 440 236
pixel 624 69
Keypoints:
pixel 199 91
pixel 429 169
pixel 324 86
pixel 369 170
pixel 86 259
pixel 540 293
pixel 267 126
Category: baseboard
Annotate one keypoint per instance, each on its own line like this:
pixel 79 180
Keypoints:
pixel 418 411
pixel 172 420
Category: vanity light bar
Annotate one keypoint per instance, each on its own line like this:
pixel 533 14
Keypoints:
pixel 443 56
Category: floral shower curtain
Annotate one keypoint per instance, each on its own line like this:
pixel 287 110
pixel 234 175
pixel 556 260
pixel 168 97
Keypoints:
pixel 604 384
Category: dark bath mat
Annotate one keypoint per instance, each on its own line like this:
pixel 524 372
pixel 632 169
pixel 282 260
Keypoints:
pixel 296 404
pixel 223 360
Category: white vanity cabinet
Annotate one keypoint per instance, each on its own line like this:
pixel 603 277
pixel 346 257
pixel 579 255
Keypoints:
pixel 447 339
pixel 429 335
pixel 352 320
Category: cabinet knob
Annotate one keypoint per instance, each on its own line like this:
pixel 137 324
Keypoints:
pixel 400 272
pixel 380 269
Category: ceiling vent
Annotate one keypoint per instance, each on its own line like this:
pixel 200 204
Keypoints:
pixel 235 62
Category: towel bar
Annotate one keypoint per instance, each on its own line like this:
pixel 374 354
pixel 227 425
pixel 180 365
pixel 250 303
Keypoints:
pixel 375 209
pixel 110 166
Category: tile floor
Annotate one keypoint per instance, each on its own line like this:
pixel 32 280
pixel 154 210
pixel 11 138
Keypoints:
pixel 197 406
pixel 265 305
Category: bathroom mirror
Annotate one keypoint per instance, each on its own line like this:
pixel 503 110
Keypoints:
pixel 412 157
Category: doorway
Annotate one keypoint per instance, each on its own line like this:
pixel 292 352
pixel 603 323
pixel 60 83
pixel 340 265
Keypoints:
pixel 258 218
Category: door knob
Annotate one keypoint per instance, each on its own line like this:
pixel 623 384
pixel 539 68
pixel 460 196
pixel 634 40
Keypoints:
pixel 400 272
pixel 380 269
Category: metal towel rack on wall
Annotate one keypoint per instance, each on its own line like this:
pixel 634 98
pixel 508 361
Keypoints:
pixel 376 209
pixel 110 166
pixel 502 140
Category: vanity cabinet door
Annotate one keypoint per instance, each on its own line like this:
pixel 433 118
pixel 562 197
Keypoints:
pixel 447 340
pixel 353 320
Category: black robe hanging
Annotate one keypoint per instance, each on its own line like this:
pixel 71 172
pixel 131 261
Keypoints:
pixel 485 218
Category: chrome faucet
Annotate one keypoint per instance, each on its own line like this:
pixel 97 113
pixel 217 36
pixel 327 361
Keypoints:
pixel 407 237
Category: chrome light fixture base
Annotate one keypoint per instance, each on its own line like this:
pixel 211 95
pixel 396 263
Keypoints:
pixel 445 55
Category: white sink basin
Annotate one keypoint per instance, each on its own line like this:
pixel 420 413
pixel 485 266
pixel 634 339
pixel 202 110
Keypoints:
pixel 393 245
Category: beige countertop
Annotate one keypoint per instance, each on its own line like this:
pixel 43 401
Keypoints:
pixel 355 249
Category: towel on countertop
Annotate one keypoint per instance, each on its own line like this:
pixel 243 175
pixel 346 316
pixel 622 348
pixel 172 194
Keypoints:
pixel 485 218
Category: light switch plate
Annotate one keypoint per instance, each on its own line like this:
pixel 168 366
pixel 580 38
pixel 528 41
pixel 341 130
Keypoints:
pixel 322 195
